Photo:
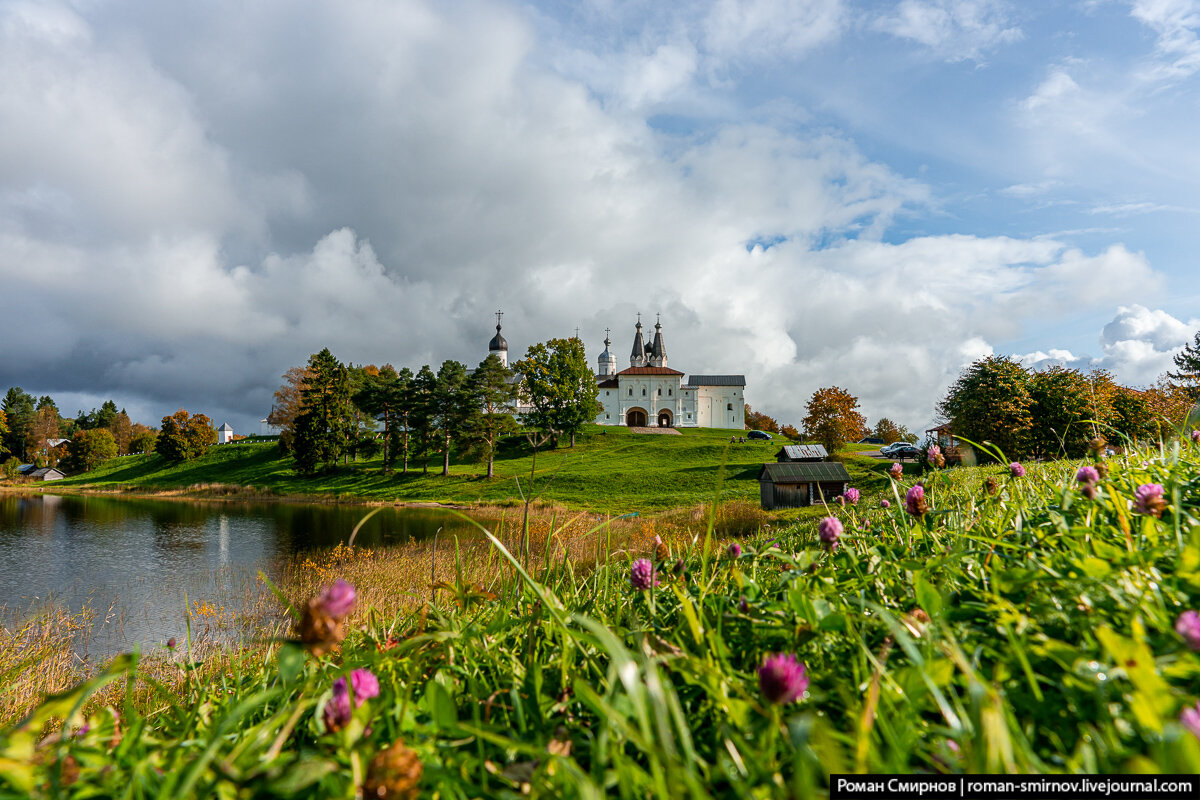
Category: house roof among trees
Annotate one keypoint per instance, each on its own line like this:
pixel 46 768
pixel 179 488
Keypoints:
pixel 804 472
pixel 225 427
pixel 717 380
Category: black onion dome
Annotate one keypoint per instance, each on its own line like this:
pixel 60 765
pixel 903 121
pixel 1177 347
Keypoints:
pixel 498 342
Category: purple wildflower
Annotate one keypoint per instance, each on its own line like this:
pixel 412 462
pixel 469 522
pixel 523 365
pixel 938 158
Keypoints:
pixel 743 605
pixel 884 503
pixel 734 550
pixel 1190 719
pixel 896 470
pixel 337 599
pixel 852 496
pixel 1087 475
pixel 337 708
pixel 1188 627
pixel 1148 500
pixel 782 678
pixel 641 575
pixel 914 501
pixel 365 684
pixel 1016 470
pixel 1195 437
pixel 932 455
pixel 830 529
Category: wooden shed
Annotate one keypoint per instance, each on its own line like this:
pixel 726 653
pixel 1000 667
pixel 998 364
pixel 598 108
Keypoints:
pixel 801 452
pixel 793 485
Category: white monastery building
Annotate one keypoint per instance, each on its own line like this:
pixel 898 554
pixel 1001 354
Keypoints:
pixel 651 394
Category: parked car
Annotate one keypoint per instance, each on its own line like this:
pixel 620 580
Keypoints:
pixel 904 450
pixel 759 435
pixel 888 449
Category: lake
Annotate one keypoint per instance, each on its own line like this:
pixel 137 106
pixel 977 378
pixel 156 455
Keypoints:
pixel 134 561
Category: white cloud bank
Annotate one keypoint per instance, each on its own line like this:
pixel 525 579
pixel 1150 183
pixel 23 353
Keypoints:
pixel 191 206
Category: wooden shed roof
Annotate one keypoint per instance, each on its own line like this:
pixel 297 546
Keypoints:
pixel 797 452
pixel 804 472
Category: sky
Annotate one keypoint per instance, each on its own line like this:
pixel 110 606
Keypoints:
pixel 196 196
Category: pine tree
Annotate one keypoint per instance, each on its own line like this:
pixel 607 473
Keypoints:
pixel 326 419
pixel 1188 362
pixel 454 405
pixel 422 414
pixel 496 394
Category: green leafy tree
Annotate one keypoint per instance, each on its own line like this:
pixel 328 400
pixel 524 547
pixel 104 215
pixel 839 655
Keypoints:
pixel 990 402
pixel 559 385
pixel 143 439
pixel 3 433
pixel 1187 362
pixel 496 394
pixel 10 468
pixel 422 415
pixel 90 448
pixel 888 431
pixel 1063 411
pixel 183 436
pixel 1131 415
pixel 326 419
pixel 18 407
pixel 833 418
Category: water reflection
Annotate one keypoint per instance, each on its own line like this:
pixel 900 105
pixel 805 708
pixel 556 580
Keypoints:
pixel 135 561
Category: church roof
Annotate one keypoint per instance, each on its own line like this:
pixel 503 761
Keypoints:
pixel 717 380
pixel 658 350
pixel 639 346
pixel 497 342
pixel 608 383
pixel 649 371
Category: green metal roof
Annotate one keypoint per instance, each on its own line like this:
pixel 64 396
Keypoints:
pixel 804 472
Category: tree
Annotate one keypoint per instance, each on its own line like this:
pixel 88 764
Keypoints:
pixel 121 428
pixel 142 438
pixel 757 421
pixel 287 406
pixel 89 448
pixel 1131 415
pixel 454 405
pixel 184 436
pixel 990 402
pixel 1064 410
pixel 790 432
pixel 3 433
pixel 559 384
pixel 888 431
pixel 43 429
pixel 1188 362
pixel 1170 402
pixel 422 415
pixel 496 394
pixel 381 394
pixel 833 418
pixel 18 407
pixel 326 419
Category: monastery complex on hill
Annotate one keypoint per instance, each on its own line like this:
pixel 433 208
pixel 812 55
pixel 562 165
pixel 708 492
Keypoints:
pixel 648 393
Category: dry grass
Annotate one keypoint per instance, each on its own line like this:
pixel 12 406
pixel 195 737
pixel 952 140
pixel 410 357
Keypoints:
pixel 39 653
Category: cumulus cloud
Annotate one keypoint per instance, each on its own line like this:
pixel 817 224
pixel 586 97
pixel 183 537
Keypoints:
pixel 202 211
pixel 955 30
pixel 1138 346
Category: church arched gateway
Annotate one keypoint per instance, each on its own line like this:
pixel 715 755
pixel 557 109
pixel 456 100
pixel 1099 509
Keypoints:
pixel 636 418
pixel 664 418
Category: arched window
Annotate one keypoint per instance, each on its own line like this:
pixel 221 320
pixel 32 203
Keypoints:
pixel 631 391
pixel 729 406
pixel 643 391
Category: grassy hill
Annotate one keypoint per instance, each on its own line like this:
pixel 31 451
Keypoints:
pixel 609 469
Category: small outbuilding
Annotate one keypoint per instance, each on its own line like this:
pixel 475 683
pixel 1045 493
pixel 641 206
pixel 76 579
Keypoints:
pixel 225 434
pixel 46 474
pixel 792 453
pixel 794 485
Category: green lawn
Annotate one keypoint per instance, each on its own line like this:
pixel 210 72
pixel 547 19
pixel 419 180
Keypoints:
pixel 609 469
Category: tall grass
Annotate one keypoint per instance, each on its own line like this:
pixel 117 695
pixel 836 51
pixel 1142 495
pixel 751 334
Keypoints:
pixel 1017 627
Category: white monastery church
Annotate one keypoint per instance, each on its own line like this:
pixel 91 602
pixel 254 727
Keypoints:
pixel 650 394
